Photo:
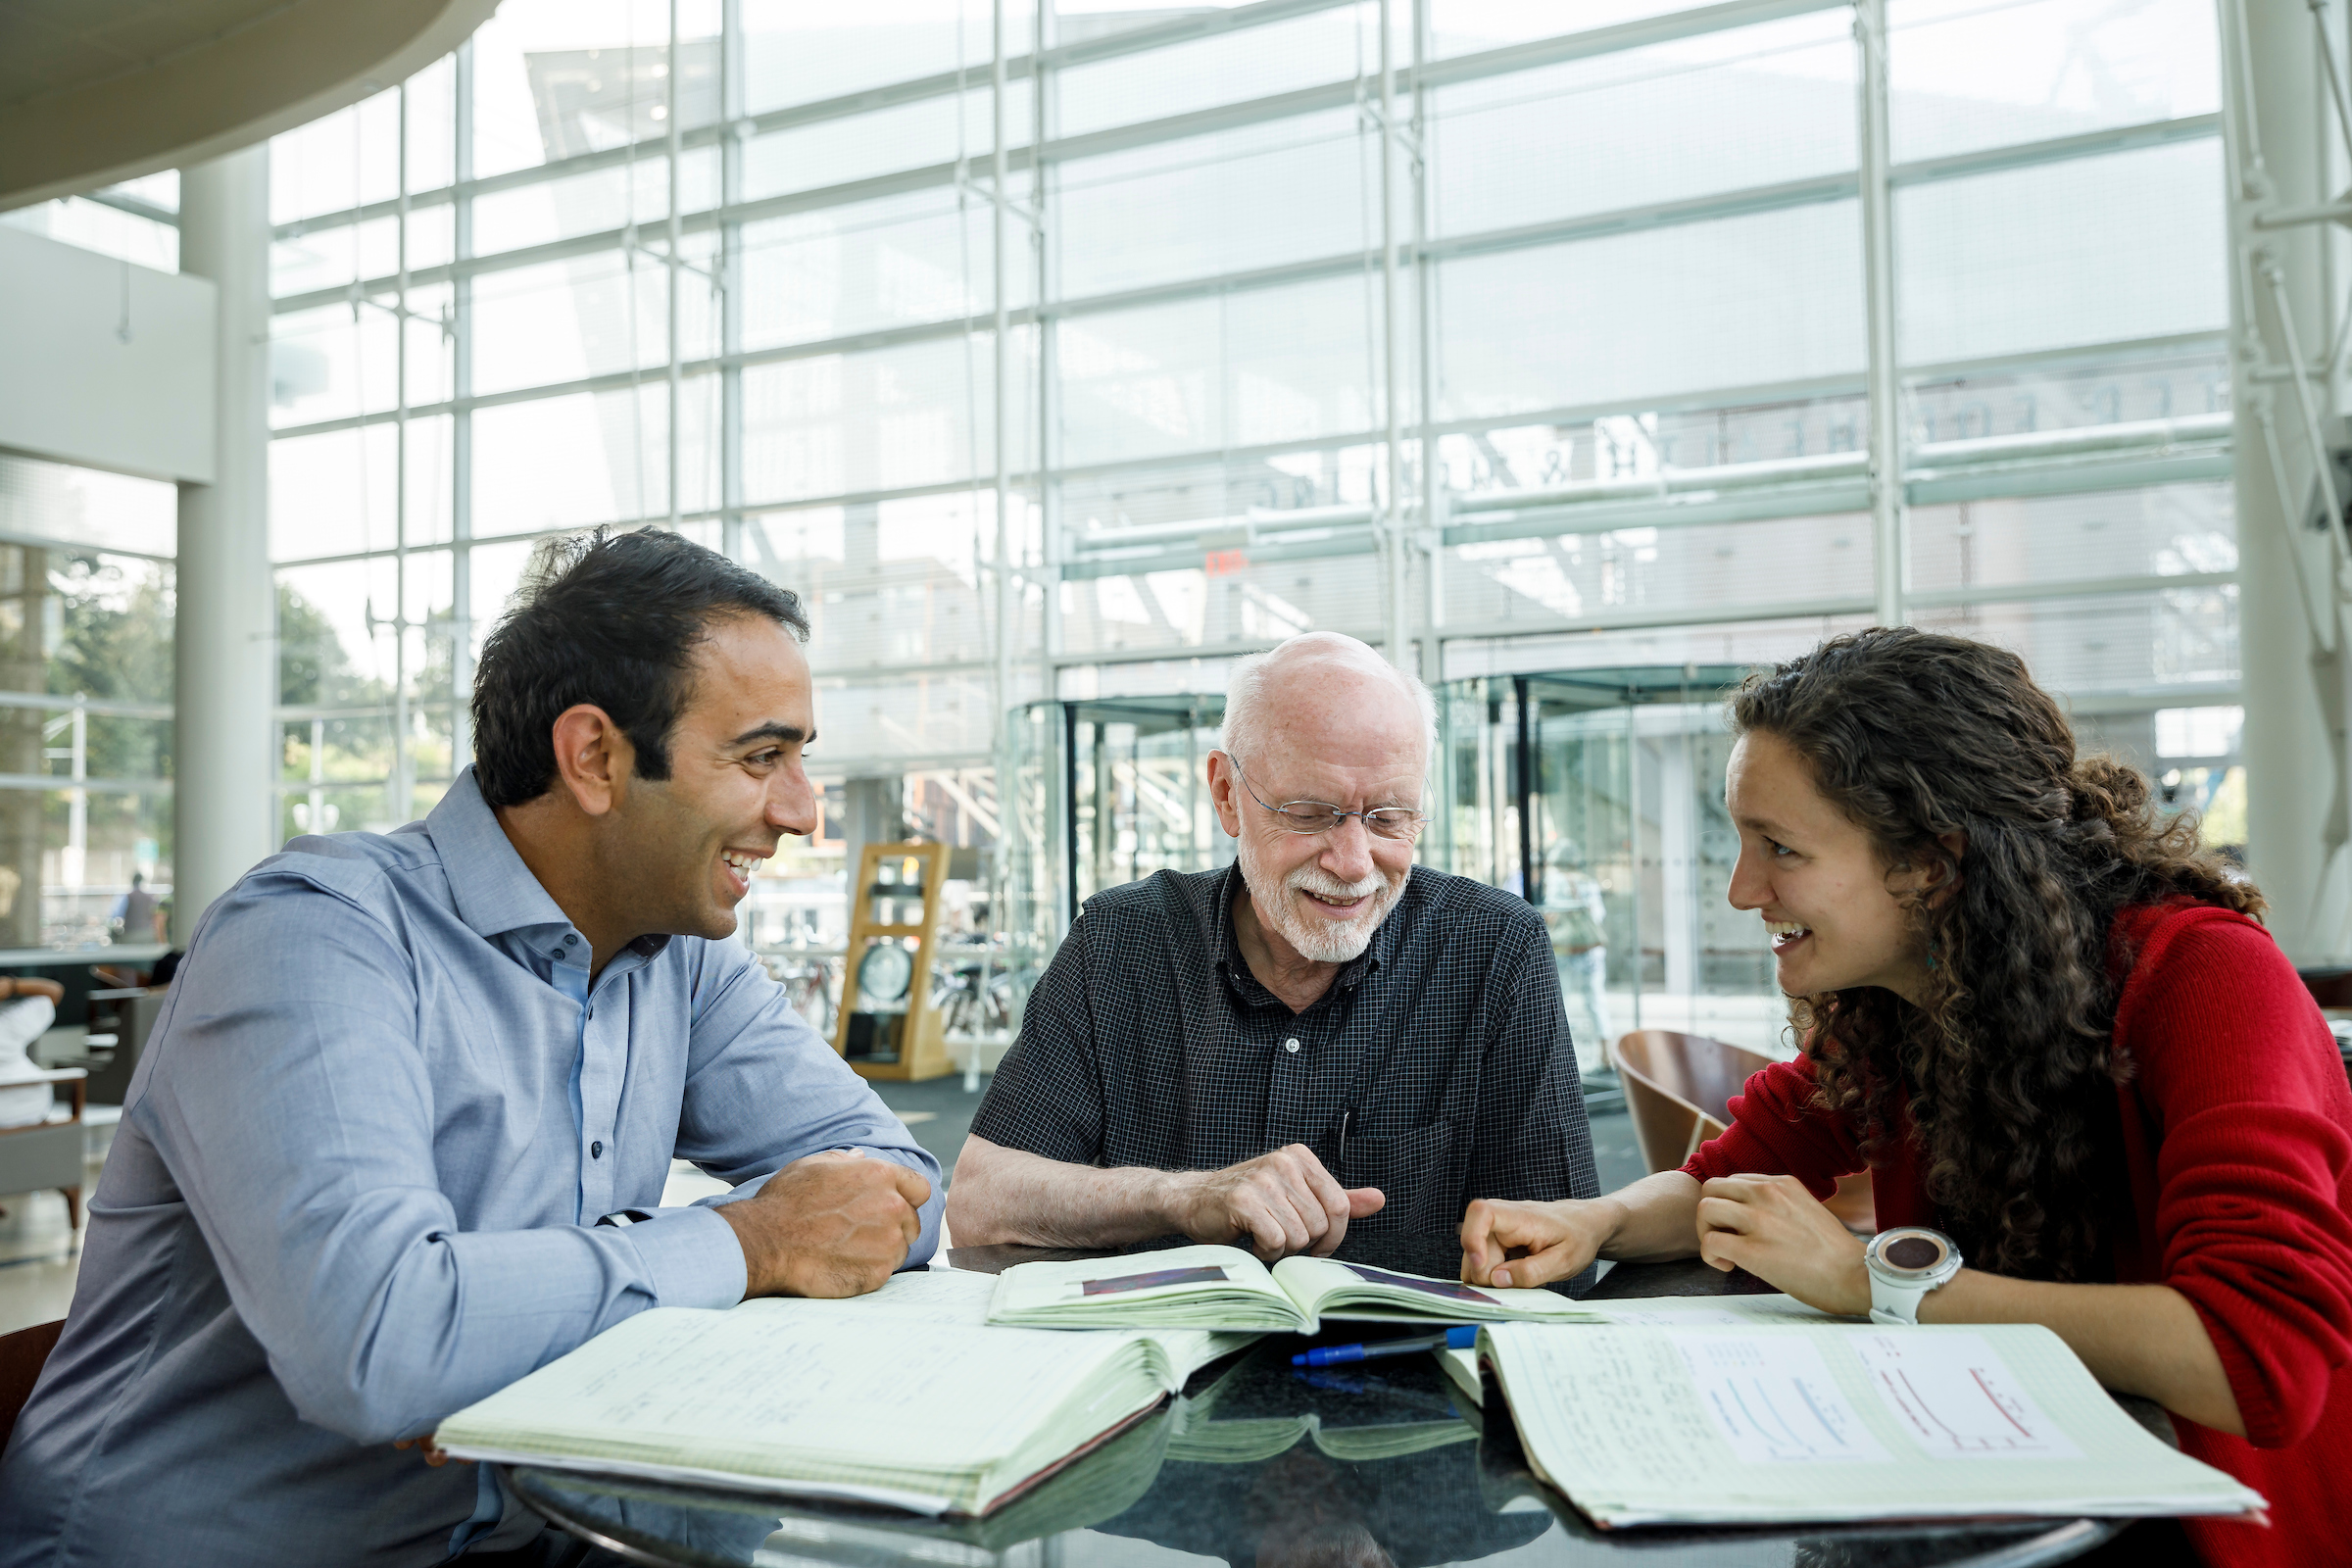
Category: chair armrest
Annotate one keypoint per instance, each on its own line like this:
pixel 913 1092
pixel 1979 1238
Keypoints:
pixel 75 1076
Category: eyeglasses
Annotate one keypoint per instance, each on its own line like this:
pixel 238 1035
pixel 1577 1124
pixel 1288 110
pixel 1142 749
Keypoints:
pixel 1317 817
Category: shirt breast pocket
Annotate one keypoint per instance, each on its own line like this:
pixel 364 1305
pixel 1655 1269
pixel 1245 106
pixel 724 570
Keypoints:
pixel 1414 1172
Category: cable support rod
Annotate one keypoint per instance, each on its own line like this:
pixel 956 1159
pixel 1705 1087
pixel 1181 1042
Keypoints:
pixel 2334 212
pixel 2267 261
pixel 401 311
pixel 1376 118
pixel 979 192
pixel 657 253
pixel 2335 76
pixel 2315 607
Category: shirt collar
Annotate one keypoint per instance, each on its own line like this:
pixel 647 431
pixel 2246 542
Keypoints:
pixel 1226 941
pixel 494 891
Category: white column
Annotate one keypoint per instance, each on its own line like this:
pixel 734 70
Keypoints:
pixel 1890 545
pixel 226 636
pixel 1008 593
pixel 2289 614
pixel 1400 614
pixel 1678 863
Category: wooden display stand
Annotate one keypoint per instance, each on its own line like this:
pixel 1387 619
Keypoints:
pixel 920 1038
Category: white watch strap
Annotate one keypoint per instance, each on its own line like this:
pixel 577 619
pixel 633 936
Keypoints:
pixel 1896 1306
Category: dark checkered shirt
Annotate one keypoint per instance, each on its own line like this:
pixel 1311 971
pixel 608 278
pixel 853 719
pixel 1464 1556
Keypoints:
pixel 1148 1041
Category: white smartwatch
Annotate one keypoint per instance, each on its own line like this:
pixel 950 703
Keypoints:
pixel 1904 1266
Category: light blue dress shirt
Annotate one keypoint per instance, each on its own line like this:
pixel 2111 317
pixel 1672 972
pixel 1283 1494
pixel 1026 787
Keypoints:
pixel 355 1188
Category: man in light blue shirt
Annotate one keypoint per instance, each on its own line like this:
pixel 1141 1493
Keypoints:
pixel 401 1077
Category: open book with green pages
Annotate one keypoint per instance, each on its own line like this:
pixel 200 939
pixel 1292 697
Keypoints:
pixel 1251 1440
pixel 1212 1428
pixel 1111 1478
pixel 1644 1424
pixel 906 1397
pixel 1225 1288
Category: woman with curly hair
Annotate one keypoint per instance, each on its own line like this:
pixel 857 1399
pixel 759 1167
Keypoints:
pixel 2055 1034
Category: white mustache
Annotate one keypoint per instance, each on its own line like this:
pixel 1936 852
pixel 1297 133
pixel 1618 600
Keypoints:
pixel 1313 879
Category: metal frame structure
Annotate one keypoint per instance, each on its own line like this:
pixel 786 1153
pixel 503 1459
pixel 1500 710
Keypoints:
pixel 1415 521
pixel 2287 123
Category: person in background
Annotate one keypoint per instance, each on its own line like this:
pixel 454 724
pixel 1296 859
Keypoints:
pixel 28 1007
pixel 1320 1049
pixel 2089 1090
pixel 402 1129
pixel 133 917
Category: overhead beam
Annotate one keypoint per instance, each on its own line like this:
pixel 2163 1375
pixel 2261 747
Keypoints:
pixel 289 65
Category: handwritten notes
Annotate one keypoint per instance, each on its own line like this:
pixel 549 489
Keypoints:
pixel 1775 1401
pixel 1699 1422
pixel 1958 1398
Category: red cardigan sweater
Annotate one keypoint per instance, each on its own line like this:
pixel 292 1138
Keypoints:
pixel 2237 1128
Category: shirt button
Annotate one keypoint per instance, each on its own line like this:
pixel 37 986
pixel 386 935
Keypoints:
pixel 596 1151
pixel 1290 1046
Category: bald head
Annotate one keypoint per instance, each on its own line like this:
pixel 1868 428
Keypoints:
pixel 1325 696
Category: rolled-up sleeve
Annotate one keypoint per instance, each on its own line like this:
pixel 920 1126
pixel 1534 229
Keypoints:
pixel 296 1112
pixel 749 1054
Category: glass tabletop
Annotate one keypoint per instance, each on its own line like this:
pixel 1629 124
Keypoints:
pixel 1385 1464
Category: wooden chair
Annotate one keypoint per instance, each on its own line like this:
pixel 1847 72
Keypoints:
pixel 1679 1089
pixel 23 1355
pixel 48 1153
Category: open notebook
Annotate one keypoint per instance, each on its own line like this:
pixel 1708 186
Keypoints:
pixel 906 1398
pixel 1674 1311
pixel 1116 1474
pixel 1761 1424
pixel 1225 1288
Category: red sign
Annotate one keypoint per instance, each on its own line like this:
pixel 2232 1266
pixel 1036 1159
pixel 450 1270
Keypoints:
pixel 1222 562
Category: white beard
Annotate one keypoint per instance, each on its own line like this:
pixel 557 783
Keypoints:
pixel 1310 936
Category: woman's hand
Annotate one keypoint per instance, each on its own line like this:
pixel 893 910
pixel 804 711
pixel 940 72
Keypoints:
pixel 1776 1231
pixel 1507 1242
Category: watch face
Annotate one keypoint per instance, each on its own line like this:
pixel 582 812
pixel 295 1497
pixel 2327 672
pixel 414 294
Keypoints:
pixel 1911 1251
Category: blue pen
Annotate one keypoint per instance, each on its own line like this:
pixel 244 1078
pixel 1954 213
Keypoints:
pixel 1454 1338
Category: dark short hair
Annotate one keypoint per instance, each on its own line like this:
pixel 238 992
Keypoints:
pixel 612 620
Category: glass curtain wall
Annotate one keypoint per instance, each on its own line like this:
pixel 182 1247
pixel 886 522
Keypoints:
pixel 85 709
pixel 1514 337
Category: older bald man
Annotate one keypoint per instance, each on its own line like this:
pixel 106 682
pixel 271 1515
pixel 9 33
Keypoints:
pixel 1322 1047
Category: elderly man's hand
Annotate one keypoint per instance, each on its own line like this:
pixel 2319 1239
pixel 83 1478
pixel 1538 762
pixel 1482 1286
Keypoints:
pixel 1277 1205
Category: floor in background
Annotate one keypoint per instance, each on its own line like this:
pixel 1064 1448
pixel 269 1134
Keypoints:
pixel 939 1112
pixel 1614 1152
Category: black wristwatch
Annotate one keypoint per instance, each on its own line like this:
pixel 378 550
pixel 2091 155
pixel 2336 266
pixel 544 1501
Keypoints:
pixel 624 1217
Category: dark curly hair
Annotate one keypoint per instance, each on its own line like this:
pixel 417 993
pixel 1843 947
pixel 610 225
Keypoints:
pixel 611 619
pixel 2008 1061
